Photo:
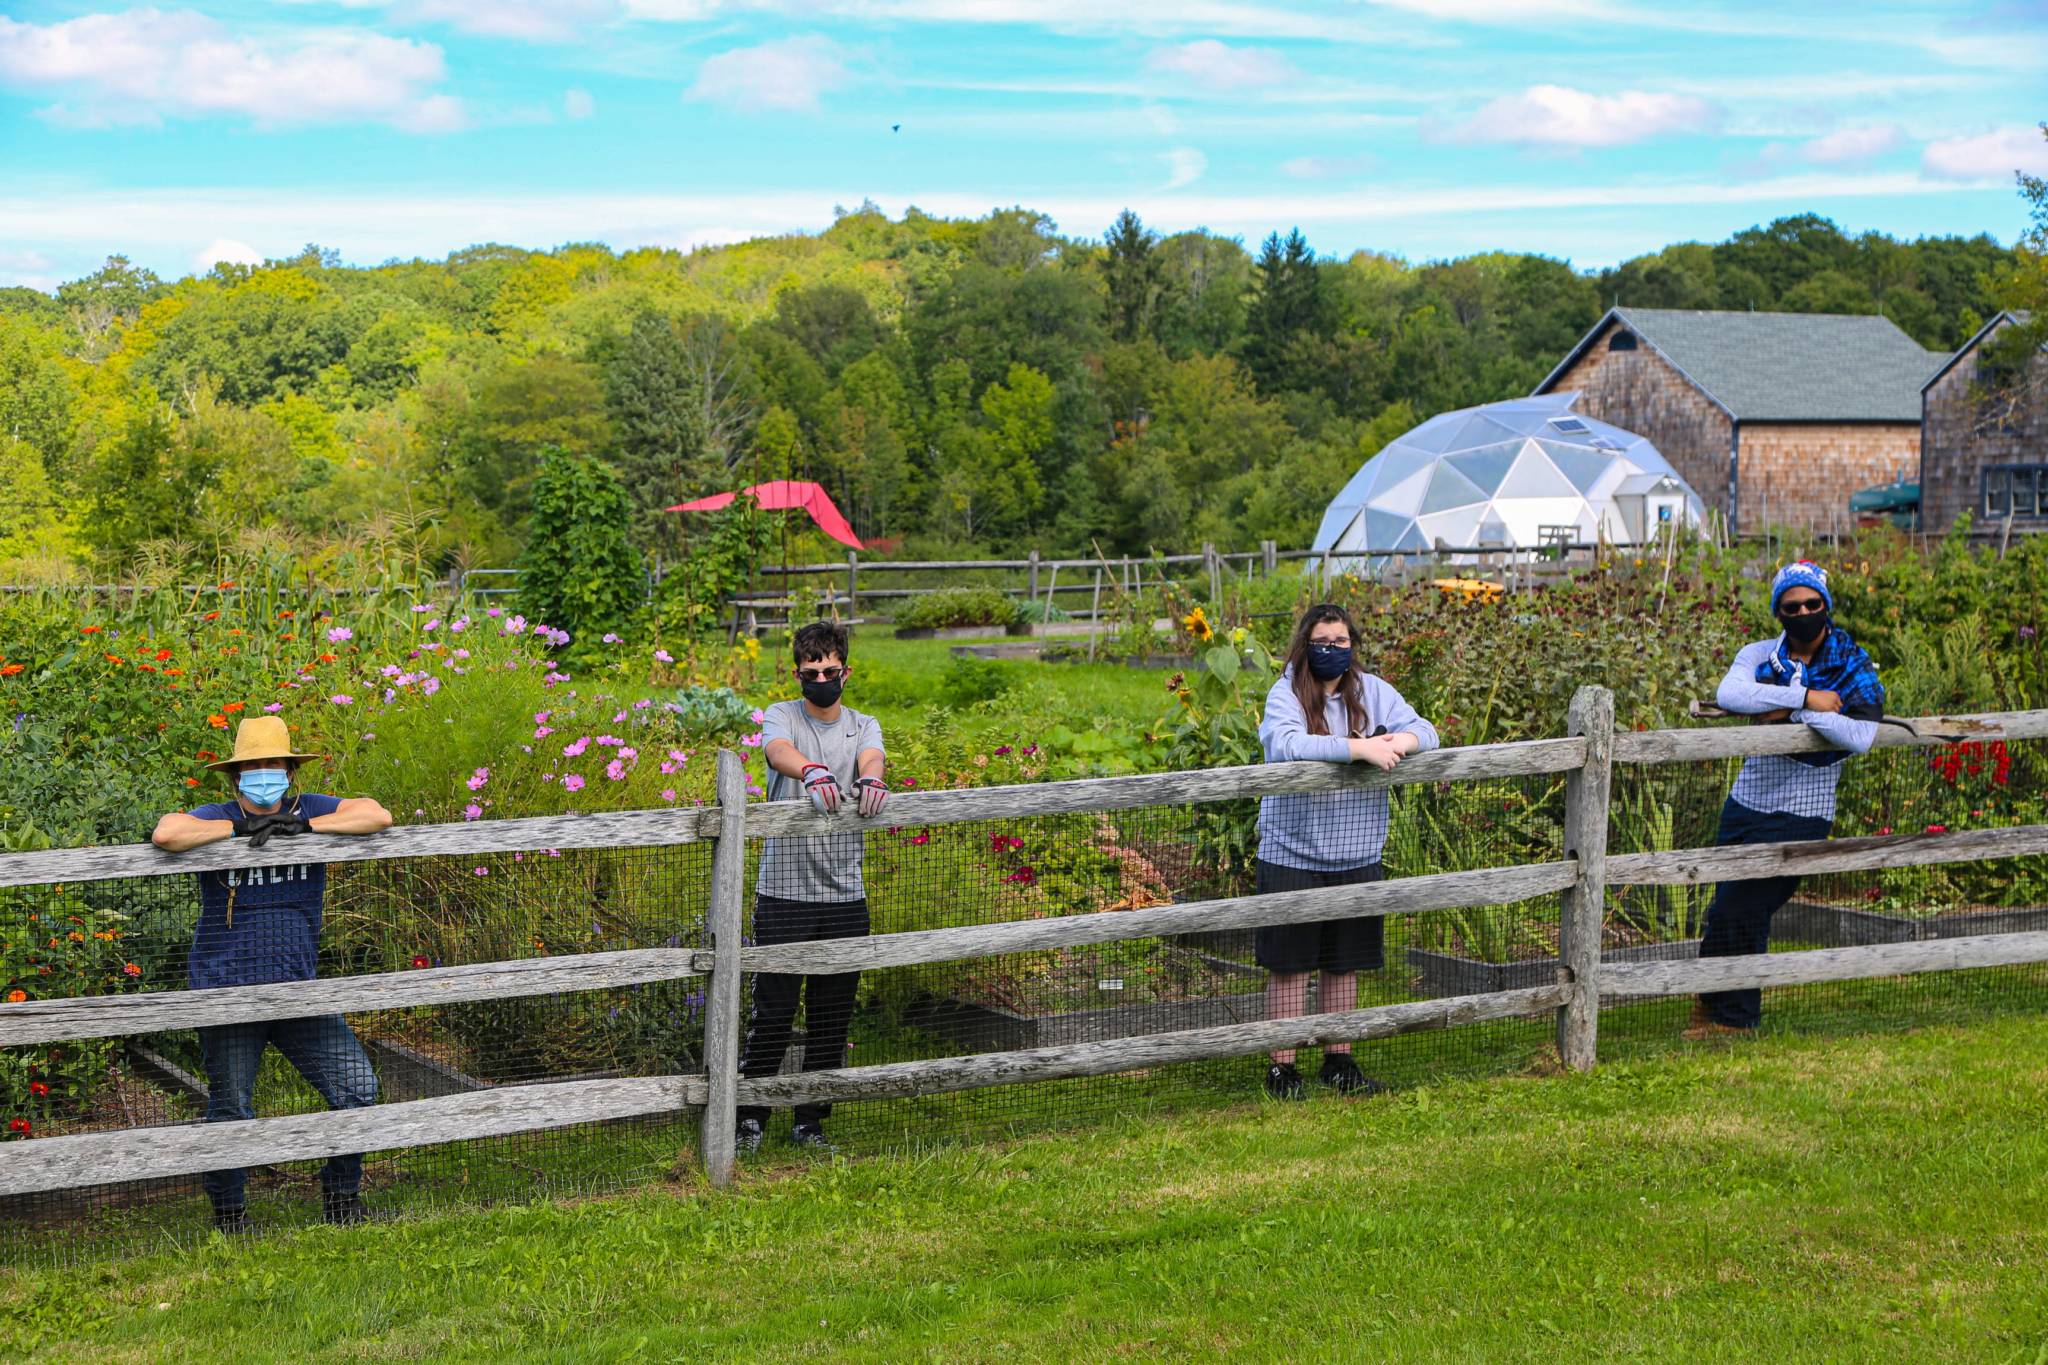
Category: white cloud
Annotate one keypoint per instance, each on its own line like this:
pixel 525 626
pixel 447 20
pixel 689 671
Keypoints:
pixel 1560 116
pixel 1328 167
pixel 226 249
pixel 1218 66
pixel 578 104
pixel 529 20
pixel 787 74
pixel 1846 146
pixel 142 65
pixel 1184 166
pixel 1993 155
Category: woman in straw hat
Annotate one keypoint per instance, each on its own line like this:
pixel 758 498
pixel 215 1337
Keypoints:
pixel 260 925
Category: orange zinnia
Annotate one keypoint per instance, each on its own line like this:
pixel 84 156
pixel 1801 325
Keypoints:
pixel 211 616
pixel 233 707
pixel 218 722
pixel 16 997
pixel 9 670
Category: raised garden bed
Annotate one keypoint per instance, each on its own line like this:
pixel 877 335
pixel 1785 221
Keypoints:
pixel 1219 991
pixel 959 632
pixel 1845 926
pixel 1441 974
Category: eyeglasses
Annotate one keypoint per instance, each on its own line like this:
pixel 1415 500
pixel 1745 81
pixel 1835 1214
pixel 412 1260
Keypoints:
pixel 1805 607
pixel 820 674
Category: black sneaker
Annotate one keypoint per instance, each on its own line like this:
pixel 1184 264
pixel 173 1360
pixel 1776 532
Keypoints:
pixel 1283 1082
pixel 811 1138
pixel 343 1209
pixel 233 1222
pixel 1341 1074
pixel 746 1138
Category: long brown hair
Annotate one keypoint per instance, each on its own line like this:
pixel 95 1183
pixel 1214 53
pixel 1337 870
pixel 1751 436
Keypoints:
pixel 1308 690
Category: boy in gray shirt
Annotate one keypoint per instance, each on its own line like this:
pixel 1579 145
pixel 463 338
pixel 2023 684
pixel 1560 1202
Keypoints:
pixel 811 888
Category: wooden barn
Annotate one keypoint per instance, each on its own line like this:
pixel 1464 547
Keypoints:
pixel 1771 417
pixel 1984 438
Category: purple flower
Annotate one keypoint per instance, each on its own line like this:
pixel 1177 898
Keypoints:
pixel 342 699
pixel 629 753
pixel 515 626
pixel 662 656
pixel 1001 750
pixel 462 624
pixel 459 654
pixel 2026 632
pixel 642 704
pixel 543 731
pixel 541 717
pixel 615 770
pixel 430 686
pixel 610 638
pixel 571 782
pixel 576 749
pixel 483 872
pixel 390 670
pixel 419 607
pixel 668 794
pixel 274 708
pixel 477 779
pixel 389 696
pixel 338 634
pixel 752 741
pixel 494 611
pixel 472 811
pixel 610 741
pixel 757 715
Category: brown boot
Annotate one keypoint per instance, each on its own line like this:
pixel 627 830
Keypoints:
pixel 1702 1027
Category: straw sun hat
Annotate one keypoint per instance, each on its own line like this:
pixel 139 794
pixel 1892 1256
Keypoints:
pixel 259 738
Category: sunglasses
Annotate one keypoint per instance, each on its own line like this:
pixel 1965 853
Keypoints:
pixel 820 674
pixel 1805 608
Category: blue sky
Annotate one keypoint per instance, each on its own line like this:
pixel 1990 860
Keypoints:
pixel 1587 129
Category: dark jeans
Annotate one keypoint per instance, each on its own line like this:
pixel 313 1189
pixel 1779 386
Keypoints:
pixel 325 1051
pixel 1739 917
pixel 828 1000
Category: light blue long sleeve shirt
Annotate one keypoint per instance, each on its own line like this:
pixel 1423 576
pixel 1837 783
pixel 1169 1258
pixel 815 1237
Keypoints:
pixel 1329 831
pixel 1778 783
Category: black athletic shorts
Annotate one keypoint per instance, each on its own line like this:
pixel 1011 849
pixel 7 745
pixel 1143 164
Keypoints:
pixel 1334 945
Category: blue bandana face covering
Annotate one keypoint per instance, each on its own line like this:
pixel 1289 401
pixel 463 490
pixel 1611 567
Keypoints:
pixel 264 786
pixel 1329 661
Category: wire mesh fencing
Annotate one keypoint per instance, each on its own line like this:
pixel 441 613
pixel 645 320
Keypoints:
pixel 174 933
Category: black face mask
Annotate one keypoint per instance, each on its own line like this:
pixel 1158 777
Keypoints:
pixel 823 694
pixel 1806 628
pixel 1326 662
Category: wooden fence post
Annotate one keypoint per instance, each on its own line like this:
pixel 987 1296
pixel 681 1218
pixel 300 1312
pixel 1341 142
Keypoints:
pixel 722 1000
pixel 852 586
pixel 1586 794
pixel 1269 557
pixel 1034 575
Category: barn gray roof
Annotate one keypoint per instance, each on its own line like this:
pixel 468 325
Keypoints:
pixel 1783 367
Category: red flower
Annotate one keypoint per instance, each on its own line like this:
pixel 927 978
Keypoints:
pixel 191 781
pixel 20 1126
pixel 16 996
pixel 9 670
pixel 1937 829
pixel 131 969
pixel 419 961
pixel 1886 830
pixel 211 616
pixel 1023 876
pixel 162 655
pixel 922 837
pixel 90 630
pixel 38 1088
pixel 234 706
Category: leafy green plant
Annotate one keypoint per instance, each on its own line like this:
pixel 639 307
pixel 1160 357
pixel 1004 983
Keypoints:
pixel 950 607
pixel 1040 610
pixel 580 572
pixel 1217 726
pixel 712 712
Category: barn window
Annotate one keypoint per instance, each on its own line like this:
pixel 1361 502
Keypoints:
pixel 1622 341
pixel 2019 491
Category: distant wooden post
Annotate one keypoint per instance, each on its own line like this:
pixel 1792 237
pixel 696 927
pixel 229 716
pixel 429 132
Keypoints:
pixel 1034 575
pixel 1214 570
pixel 852 586
pixel 1586 795
pixel 1269 557
pixel 1095 615
pixel 722 1000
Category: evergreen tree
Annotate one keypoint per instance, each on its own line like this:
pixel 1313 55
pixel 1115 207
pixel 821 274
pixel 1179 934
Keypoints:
pixel 655 402
pixel 1135 274
pixel 1289 304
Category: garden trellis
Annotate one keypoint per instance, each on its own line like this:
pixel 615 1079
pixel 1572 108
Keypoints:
pixel 674 887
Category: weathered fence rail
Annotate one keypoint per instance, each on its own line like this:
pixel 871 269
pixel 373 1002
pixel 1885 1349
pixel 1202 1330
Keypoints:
pixel 1585 756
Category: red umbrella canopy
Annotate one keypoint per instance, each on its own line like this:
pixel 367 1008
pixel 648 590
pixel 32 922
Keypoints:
pixel 779 494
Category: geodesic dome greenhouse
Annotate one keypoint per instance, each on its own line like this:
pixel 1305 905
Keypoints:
pixel 1506 475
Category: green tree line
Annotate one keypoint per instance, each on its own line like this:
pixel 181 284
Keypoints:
pixel 982 383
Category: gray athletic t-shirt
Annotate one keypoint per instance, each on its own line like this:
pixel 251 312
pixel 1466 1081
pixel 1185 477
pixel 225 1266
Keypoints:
pixel 824 870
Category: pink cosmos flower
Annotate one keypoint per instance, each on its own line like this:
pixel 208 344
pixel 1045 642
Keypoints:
pixel 757 715
pixel 615 770
pixel 610 638
pixel 472 811
pixel 430 687
pixel 642 704
pixel 338 634
pixel 668 794
pixel 477 779
pixel 628 752
pixel 571 782
pixel 274 708
pixel 752 741
pixel 662 656
pixel 483 872
pixel 494 611
pixel 342 699
pixel 576 749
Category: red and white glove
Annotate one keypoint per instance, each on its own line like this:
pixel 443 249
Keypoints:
pixel 822 787
pixel 873 792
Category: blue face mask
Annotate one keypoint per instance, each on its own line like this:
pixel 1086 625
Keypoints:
pixel 264 786
pixel 1329 661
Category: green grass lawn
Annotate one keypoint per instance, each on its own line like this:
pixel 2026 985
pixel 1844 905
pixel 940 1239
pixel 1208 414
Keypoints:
pixel 1794 1197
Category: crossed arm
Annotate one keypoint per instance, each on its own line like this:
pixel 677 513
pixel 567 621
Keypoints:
pixel 179 832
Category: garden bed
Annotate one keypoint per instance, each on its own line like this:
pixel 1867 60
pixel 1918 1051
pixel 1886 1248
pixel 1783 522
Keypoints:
pixel 1845 926
pixel 959 632
pixel 1442 974
pixel 1205 990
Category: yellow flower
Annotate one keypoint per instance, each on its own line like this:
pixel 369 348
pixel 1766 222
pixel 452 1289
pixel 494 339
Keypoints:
pixel 1237 636
pixel 1197 624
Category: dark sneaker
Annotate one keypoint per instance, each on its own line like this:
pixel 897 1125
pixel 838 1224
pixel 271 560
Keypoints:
pixel 234 1222
pixel 747 1137
pixel 1283 1082
pixel 1341 1074
pixel 811 1138
pixel 343 1209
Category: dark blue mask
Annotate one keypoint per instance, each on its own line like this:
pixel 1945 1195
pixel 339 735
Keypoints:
pixel 1329 661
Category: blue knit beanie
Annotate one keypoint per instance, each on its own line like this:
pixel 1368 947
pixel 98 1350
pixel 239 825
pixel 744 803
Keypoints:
pixel 1802 573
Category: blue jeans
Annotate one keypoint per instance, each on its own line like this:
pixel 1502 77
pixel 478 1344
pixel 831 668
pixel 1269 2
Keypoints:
pixel 1739 917
pixel 325 1051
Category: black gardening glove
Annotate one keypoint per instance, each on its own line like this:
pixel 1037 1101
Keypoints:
pixel 261 829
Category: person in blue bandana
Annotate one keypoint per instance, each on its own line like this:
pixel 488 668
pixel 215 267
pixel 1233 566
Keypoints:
pixel 1814 675
pixel 261 925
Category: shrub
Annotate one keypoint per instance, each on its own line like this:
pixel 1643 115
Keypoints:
pixel 713 712
pixel 580 572
pixel 958 607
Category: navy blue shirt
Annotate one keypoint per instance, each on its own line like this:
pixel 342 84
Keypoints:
pixel 260 924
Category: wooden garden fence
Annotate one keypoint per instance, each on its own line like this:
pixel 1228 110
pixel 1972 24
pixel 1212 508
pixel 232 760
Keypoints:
pixel 1586 756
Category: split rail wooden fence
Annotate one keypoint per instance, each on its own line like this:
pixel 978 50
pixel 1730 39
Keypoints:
pixel 1586 755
